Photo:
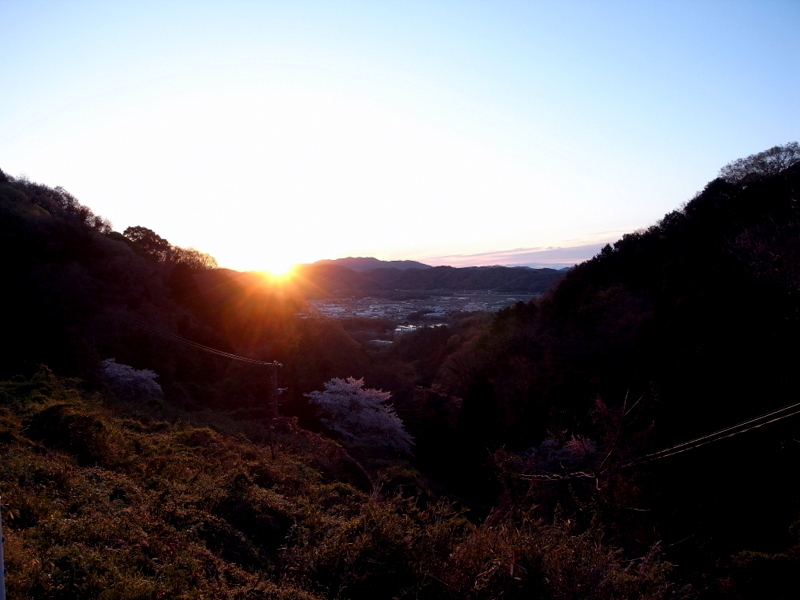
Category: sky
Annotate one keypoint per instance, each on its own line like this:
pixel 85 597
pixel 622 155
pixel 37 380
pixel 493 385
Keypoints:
pixel 269 133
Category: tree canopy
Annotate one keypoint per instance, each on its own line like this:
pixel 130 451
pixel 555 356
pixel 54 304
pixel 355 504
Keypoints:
pixel 763 164
pixel 155 247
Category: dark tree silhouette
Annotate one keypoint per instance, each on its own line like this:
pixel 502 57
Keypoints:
pixel 148 242
pixel 153 246
pixel 59 202
pixel 191 258
pixel 764 164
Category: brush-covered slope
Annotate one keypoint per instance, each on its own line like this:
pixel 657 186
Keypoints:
pixel 107 499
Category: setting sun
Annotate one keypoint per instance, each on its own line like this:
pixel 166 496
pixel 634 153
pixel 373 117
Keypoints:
pixel 277 269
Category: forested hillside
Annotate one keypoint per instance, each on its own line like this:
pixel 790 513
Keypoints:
pixel 672 333
pixel 535 453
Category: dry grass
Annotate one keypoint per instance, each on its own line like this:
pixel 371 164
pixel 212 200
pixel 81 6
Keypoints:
pixel 119 502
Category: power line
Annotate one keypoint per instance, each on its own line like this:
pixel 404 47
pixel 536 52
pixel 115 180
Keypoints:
pixel 715 436
pixel 176 338
pixel 273 372
pixel 731 428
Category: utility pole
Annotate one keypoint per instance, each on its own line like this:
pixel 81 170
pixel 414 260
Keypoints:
pixel 272 402
pixel 272 406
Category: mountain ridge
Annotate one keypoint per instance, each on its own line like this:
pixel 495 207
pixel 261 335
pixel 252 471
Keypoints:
pixel 367 263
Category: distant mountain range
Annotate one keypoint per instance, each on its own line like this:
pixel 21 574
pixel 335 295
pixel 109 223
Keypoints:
pixel 370 276
pixel 367 263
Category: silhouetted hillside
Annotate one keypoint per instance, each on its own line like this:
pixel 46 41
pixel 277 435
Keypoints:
pixel 318 280
pixel 78 293
pixel 672 333
pixel 359 264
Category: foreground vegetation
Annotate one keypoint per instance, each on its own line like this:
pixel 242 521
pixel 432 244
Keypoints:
pixel 110 499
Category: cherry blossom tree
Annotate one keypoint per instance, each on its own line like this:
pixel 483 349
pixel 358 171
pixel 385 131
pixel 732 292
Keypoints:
pixel 128 382
pixel 361 414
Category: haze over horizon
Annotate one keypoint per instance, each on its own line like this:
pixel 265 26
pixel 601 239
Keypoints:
pixel 448 133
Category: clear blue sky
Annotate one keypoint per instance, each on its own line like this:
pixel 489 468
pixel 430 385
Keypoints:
pixel 267 132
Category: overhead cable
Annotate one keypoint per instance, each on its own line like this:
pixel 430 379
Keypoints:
pixel 743 427
pixel 717 435
pixel 176 338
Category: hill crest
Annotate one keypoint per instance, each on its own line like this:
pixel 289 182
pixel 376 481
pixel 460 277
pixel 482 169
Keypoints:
pixel 367 263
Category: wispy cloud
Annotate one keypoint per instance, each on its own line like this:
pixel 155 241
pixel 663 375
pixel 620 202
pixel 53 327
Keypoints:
pixel 551 256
